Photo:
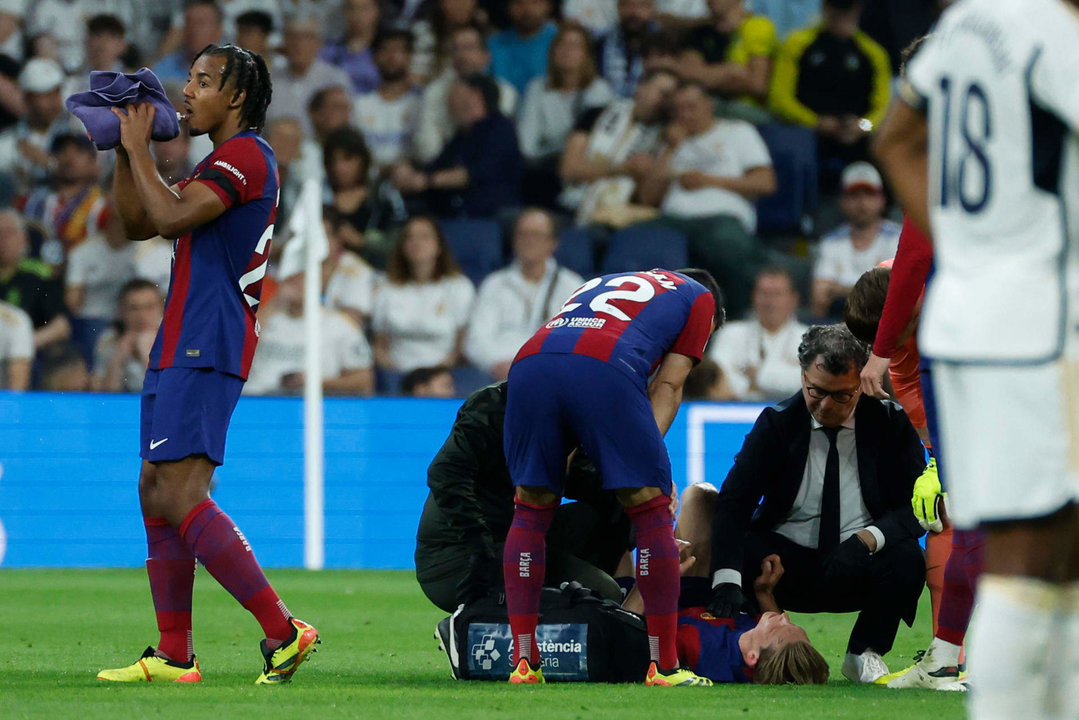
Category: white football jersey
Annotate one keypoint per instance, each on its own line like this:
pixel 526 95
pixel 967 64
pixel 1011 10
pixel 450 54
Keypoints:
pixel 998 80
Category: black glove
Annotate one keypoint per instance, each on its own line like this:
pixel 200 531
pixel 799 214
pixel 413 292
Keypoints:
pixel 726 601
pixel 850 558
pixel 480 578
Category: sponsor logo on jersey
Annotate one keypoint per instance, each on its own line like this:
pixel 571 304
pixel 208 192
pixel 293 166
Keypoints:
pixel 589 323
pixel 236 173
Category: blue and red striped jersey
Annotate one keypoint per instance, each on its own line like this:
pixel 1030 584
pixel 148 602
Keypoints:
pixel 217 268
pixel 630 320
pixel 709 645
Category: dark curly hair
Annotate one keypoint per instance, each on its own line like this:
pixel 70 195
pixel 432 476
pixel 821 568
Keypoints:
pixel 835 349
pixel 249 74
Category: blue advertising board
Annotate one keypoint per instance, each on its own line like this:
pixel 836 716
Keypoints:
pixel 69 470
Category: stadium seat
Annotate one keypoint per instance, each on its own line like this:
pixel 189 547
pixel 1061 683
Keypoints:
pixel 643 247
pixel 575 251
pixel 794 157
pixel 477 246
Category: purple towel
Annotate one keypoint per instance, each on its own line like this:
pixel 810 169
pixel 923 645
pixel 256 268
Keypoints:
pixel 112 89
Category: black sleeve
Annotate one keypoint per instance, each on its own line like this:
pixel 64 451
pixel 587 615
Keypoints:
pixel 587 120
pixel 899 523
pixel 474 443
pixel 759 460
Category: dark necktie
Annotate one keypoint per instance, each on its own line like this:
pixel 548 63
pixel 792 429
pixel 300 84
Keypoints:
pixel 828 534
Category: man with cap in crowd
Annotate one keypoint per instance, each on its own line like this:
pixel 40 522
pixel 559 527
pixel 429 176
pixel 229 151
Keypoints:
pixel 859 245
pixel 24 156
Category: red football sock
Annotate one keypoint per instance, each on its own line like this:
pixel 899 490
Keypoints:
pixel 657 576
pixel 960 577
pixel 224 552
pixel 171 568
pixel 524 563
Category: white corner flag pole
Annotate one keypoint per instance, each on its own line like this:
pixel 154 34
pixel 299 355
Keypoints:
pixel 314 545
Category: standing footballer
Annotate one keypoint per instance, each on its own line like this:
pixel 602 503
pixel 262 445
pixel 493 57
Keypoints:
pixel 982 148
pixel 584 378
pixel 222 218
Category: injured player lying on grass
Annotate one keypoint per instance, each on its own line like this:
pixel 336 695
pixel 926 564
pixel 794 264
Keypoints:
pixel 766 649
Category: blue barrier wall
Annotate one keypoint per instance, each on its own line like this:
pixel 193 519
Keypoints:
pixel 69 469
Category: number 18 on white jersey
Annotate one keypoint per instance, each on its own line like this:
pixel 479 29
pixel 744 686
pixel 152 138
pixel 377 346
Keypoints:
pixel 998 82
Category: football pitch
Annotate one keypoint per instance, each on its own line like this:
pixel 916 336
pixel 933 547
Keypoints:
pixel 378 660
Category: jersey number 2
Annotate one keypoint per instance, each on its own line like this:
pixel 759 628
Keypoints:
pixel 644 292
pixel 976 130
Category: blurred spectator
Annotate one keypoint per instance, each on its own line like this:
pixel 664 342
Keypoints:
pixel 681 13
pixel 64 369
pixel 759 355
pixel 514 302
pixel 28 284
pixel 353 53
pixel 423 308
pixel 468 54
pixel 621 52
pixel 363 214
pixel 122 353
pixel 788 15
pixel 233 10
pixel 74 206
pixel 520 54
pixel 865 241
pixel 706 184
pixel 16 348
pixel 12 52
pixel 834 78
pixel 172 158
pixel 202 25
pixel 303 73
pixel 429 382
pixel 106 44
pixel 387 114
pixel 435 32
pixel 349 283
pixel 97 270
pixel 12 41
pixel 551 107
pixel 478 173
pixel 612 149
pixel 24 155
pixel 330 109
pixel 278 366
pixel 153 261
pixel 58 28
pixel 732 53
pixel 253 31
pixel 707 381
pixel 599 16
pixel 285 136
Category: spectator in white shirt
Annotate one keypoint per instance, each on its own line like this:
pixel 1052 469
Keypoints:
pixel 759 355
pixel 387 115
pixel 422 310
pixel 97 270
pixel 123 351
pixel 515 301
pixel 865 241
pixel 706 185
pixel 304 73
pixel 16 348
pixel 278 365
pixel 349 283
pixel 551 107
pixel 468 55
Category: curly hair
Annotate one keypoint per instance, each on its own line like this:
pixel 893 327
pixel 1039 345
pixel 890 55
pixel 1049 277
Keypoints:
pixel 249 74
pixel 834 347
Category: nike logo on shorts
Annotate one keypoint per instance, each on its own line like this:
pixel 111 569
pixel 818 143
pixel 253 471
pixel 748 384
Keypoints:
pixel 153 445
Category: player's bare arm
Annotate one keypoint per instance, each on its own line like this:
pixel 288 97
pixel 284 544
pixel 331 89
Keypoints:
pixel 901 145
pixel 170 213
pixel 665 390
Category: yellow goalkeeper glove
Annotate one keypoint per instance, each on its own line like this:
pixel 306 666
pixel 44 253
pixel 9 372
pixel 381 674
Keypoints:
pixel 927 493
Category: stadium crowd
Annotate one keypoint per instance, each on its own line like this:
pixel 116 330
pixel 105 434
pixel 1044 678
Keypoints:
pixel 478 158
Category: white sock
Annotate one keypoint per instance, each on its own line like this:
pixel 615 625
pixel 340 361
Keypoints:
pixel 941 653
pixel 1009 646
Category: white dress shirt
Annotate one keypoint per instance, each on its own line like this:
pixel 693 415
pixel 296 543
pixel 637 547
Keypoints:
pixel 746 344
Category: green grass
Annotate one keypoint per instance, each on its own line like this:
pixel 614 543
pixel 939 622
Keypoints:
pixel 378 660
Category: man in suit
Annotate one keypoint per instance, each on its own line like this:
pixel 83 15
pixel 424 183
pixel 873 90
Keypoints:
pixel 824 480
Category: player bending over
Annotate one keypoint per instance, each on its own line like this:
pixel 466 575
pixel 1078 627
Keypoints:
pixel 222 218
pixel 584 378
